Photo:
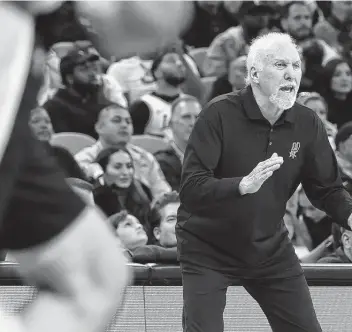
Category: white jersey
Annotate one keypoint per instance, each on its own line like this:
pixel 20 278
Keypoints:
pixel 159 115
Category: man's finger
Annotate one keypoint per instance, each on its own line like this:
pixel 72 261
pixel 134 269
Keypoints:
pixel 271 162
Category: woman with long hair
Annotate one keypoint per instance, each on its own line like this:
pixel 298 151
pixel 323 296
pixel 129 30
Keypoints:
pixel 121 191
pixel 336 88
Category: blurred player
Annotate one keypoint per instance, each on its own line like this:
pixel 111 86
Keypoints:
pixel 63 247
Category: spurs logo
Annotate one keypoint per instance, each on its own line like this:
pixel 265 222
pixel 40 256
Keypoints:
pixel 294 149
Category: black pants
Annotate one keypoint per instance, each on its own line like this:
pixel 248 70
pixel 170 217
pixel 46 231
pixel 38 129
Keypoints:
pixel 286 302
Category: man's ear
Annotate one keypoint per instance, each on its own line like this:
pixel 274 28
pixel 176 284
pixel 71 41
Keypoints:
pixel 156 232
pixel 254 74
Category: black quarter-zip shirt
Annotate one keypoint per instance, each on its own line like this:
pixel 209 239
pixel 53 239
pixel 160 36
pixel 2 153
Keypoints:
pixel 245 235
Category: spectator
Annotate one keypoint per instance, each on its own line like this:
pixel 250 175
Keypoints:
pixel 134 238
pixel 336 28
pixel 114 128
pixel 336 87
pixel 343 244
pixel 254 20
pixel 129 230
pixel 210 19
pixel 234 80
pixel 185 111
pixel 297 20
pixel 164 230
pixel 120 190
pixel 75 107
pixel 152 112
pixel 317 103
pixel 343 141
pixel 134 74
pixel 42 129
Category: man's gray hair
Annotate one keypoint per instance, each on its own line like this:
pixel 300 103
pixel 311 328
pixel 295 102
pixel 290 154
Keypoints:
pixel 259 49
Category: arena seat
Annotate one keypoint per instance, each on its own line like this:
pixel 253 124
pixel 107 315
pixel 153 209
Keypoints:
pixel 73 142
pixel 198 55
pixel 150 143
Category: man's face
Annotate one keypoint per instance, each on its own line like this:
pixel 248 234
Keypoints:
pixel 172 70
pixel 41 125
pixel 88 73
pixel 238 73
pixel 116 127
pixel 184 117
pixel 281 75
pixel 165 233
pixel 299 22
pixel 131 233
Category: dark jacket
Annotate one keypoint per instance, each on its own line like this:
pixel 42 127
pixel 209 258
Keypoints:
pixel 154 254
pixel 136 202
pixel 70 113
pixel 171 166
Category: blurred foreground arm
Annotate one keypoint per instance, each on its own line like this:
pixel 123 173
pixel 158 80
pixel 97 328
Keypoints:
pixel 81 275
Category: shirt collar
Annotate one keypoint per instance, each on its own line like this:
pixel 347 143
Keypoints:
pixel 253 112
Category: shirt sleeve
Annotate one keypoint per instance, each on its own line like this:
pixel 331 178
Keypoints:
pixel 321 178
pixel 200 189
pixel 158 183
pixel 140 114
pixel 41 204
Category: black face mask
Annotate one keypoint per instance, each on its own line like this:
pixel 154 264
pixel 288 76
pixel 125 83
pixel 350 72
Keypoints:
pixel 174 81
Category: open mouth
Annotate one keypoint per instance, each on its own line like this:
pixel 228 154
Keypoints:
pixel 288 89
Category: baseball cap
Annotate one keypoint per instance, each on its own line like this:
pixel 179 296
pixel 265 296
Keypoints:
pixel 255 7
pixel 77 56
pixel 343 133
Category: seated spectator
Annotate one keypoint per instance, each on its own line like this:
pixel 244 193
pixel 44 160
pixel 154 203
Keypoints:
pixel 136 79
pixel 317 103
pixel 152 112
pixel 164 230
pixel 343 141
pixel 343 246
pixel 335 30
pixel 185 111
pixel 75 107
pixel 336 87
pixel 233 81
pixel 210 19
pixel 297 21
pixel 120 190
pixel 254 20
pixel 129 230
pixel 41 126
pixel 114 128
pixel 134 238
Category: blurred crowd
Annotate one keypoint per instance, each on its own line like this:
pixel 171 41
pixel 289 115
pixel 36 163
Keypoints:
pixel 135 114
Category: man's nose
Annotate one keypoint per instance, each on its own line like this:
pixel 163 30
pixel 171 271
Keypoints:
pixel 289 73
